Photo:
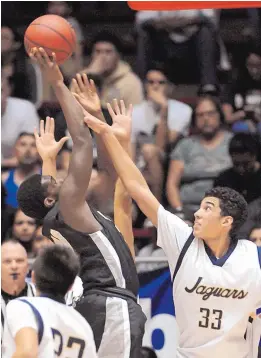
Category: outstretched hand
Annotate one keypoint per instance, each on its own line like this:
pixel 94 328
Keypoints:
pixel 86 93
pixel 47 146
pixel 48 65
pixel 121 122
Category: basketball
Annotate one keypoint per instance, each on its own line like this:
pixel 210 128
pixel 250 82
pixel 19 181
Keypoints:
pixel 54 34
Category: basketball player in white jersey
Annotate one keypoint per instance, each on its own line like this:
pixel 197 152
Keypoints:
pixel 41 327
pixel 216 278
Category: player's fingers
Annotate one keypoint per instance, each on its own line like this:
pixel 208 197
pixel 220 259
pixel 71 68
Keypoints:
pixel 36 134
pixel 75 88
pixel 54 58
pixel 42 127
pixel 45 57
pixel 85 81
pixel 116 106
pixel 110 110
pixel 123 108
pixel 62 141
pixel 130 109
pixel 93 86
pixel 47 124
pixel 39 58
pixel 80 82
pixel 52 125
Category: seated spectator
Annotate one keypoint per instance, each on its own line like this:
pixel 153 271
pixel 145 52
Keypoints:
pixel 23 230
pixel 242 97
pixel 245 175
pixel 14 268
pixel 254 215
pixel 157 123
pixel 180 36
pixel 16 65
pixel 18 115
pixel 197 161
pixel 117 78
pixel 255 234
pixel 28 164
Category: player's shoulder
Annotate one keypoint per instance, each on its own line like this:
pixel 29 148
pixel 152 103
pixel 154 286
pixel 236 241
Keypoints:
pixel 250 248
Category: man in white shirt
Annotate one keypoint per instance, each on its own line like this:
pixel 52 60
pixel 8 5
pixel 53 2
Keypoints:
pixel 18 115
pixel 216 277
pixel 157 123
pixel 44 326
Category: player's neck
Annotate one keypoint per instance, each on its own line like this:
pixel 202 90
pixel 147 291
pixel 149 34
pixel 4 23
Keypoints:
pixel 219 246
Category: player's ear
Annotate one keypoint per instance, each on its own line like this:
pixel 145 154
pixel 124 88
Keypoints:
pixel 227 221
pixel 49 202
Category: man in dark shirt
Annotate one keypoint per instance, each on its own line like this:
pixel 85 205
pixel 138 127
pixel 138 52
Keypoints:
pixel 245 175
pixel 242 97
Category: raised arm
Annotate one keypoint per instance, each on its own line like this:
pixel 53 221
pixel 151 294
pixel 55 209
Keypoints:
pixel 72 197
pixel 47 146
pixel 72 110
pixel 130 175
pixel 86 94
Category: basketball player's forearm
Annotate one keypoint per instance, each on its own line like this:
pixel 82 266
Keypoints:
pixel 123 209
pixel 49 167
pixel 124 166
pixel 104 160
pixel 72 110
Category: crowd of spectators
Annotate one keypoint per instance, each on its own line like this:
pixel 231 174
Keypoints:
pixel 183 149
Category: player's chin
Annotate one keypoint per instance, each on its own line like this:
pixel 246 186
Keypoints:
pixel 197 231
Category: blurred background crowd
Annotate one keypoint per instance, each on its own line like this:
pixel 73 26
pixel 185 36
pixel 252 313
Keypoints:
pixel 194 78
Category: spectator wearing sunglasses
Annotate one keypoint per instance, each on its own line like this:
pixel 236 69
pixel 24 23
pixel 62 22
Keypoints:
pixel 157 123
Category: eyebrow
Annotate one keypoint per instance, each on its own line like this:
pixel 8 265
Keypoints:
pixel 209 202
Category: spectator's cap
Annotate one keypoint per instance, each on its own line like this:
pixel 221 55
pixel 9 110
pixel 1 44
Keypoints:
pixel 107 36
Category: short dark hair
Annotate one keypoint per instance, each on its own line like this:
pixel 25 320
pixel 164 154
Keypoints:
pixel 107 36
pixel 30 197
pixel 216 102
pixel 55 269
pixel 231 204
pixel 147 352
pixel 24 134
pixel 242 143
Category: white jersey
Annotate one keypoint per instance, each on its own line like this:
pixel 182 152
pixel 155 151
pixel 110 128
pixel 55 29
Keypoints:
pixel 213 297
pixel 62 331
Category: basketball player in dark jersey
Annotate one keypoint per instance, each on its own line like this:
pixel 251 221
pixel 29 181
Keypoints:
pixel 108 271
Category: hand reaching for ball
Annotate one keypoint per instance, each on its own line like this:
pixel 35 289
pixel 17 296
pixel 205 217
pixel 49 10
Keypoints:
pixel 86 94
pixel 48 65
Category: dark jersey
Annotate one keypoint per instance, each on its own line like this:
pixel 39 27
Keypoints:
pixel 106 260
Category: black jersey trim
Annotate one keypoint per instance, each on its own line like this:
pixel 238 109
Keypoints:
pixel 182 254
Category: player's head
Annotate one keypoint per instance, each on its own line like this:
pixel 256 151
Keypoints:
pixel 243 149
pixel 37 195
pixel 25 150
pixel 55 270
pixel 208 116
pixel 107 46
pixel 221 213
pixel 147 352
pixel 14 264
